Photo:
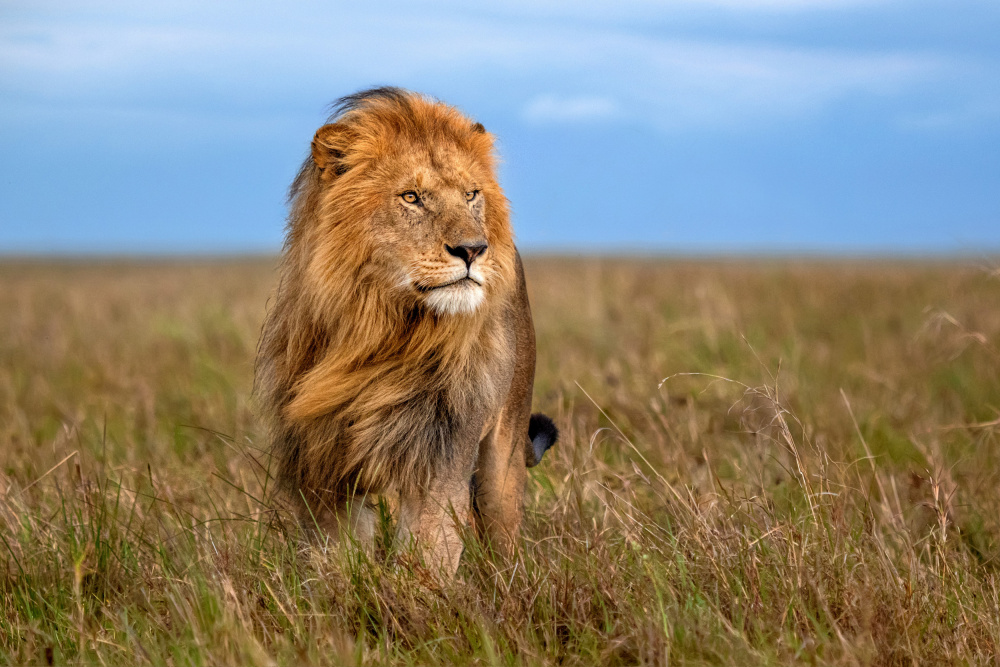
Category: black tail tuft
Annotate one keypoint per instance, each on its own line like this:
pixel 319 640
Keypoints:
pixel 542 433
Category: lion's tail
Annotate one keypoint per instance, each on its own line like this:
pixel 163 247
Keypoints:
pixel 542 434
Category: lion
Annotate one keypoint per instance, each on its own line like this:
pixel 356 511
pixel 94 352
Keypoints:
pixel 398 355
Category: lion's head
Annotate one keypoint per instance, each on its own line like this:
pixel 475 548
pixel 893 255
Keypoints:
pixel 404 196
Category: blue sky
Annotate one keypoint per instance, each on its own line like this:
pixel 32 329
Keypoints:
pixel 834 126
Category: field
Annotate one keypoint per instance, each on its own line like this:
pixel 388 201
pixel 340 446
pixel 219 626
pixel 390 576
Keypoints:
pixel 762 462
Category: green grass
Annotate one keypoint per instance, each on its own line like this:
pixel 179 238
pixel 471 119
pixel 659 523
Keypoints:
pixel 765 462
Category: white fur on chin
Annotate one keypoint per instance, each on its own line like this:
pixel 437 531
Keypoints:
pixel 464 297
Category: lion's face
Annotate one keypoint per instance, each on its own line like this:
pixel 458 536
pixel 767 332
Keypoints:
pixel 427 203
pixel 432 231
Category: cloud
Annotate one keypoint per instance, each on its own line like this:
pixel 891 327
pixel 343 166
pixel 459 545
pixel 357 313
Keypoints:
pixel 704 83
pixel 785 5
pixel 969 116
pixel 209 58
pixel 646 10
pixel 553 108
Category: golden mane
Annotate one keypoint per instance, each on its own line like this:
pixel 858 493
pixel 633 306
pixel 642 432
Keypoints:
pixel 349 367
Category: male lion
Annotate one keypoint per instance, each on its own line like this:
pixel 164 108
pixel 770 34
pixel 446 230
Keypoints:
pixel 399 354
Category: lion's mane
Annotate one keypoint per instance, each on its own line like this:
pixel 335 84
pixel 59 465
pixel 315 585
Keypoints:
pixel 366 390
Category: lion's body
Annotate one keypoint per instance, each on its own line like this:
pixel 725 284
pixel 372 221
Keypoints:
pixel 398 355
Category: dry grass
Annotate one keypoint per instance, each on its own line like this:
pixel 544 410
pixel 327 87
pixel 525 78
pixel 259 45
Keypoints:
pixel 762 463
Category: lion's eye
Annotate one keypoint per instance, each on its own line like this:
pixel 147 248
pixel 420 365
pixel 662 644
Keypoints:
pixel 410 197
pixel 471 194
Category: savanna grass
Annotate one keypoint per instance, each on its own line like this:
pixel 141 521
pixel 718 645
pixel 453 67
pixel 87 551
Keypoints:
pixel 761 463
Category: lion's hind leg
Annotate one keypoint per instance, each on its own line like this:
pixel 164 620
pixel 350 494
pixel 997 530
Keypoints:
pixel 498 484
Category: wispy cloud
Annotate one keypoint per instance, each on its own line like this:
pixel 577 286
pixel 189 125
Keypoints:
pixel 650 9
pixel 785 5
pixel 549 108
pixel 705 83
pixel 961 117
pixel 669 82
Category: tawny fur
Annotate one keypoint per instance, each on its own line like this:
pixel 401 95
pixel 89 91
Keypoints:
pixel 370 384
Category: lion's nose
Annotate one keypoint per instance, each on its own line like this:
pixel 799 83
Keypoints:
pixel 467 252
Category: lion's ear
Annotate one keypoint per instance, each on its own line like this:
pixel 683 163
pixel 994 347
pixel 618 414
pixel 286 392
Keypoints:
pixel 328 148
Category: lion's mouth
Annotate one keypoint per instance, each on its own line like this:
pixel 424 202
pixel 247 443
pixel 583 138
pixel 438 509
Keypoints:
pixel 461 281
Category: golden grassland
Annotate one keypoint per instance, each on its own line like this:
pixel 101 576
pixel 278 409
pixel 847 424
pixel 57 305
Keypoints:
pixel 762 462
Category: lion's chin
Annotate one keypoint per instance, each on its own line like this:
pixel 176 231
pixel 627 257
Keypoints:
pixel 464 296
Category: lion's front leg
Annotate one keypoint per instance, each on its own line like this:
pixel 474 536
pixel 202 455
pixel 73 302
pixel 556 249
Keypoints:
pixel 433 518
